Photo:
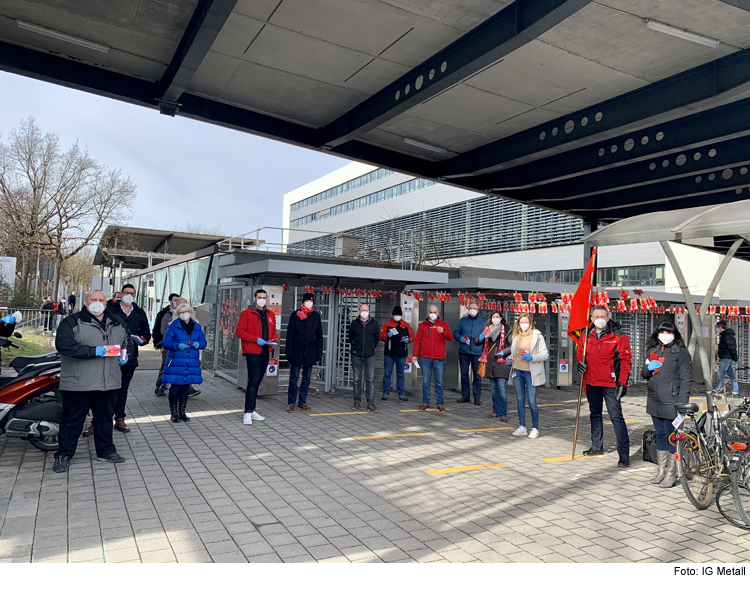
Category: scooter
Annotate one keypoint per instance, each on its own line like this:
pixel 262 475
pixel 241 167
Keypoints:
pixel 30 402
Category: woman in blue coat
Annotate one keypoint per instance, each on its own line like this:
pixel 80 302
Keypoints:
pixel 182 341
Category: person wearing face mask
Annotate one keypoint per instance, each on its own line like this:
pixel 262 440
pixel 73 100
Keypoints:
pixel 495 338
pixel 605 372
pixel 429 346
pixel 364 336
pixel 529 351
pixel 397 335
pixel 256 329
pixel 89 378
pixel 134 317
pixel 161 324
pixel 668 369
pixel 183 341
pixel 466 332
pixel 116 299
pixel 304 348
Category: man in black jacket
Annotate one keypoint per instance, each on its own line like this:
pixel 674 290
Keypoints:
pixel 135 319
pixel 364 336
pixel 727 354
pixel 72 303
pixel 304 348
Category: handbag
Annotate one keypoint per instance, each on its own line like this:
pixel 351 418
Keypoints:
pixel 481 370
pixel 649 447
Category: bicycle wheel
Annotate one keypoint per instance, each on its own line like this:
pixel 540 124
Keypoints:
pixel 697 471
pixel 728 509
pixel 740 483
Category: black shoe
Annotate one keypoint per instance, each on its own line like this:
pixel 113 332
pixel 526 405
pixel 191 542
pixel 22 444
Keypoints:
pixel 463 400
pixel 113 458
pixel 61 464
pixel 183 416
pixel 384 398
pixel 624 463
pixel 160 391
pixel 477 402
pixel 175 414
pixel 193 392
pixel 593 452
pixel 403 399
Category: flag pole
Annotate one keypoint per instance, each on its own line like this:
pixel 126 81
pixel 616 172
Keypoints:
pixel 580 389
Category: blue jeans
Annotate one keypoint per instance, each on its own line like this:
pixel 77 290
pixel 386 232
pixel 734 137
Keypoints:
pixel 499 396
pixel 725 368
pixel 291 398
pixel 470 362
pixel 400 363
pixel 663 429
pixel 596 396
pixel 432 367
pixel 524 388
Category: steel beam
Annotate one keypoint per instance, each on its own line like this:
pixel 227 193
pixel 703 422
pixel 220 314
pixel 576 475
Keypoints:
pixel 390 159
pixel 207 21
pixel 512 27
pixel 699 87
pixel 695 130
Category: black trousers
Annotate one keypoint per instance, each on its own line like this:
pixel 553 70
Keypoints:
pixel 256 369
pixel 76 406
pixel 122 394
pixel 178 394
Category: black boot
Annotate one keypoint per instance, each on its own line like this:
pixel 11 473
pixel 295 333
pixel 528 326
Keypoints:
pixel 175 418
pixel 183 405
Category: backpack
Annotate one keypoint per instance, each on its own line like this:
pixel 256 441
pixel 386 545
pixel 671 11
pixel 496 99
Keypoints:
pixel 156 330
pixel 649 447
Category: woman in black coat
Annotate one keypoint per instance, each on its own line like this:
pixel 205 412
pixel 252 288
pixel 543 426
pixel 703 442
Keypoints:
pixel 304 348
pixel 496 336
pixel 669 371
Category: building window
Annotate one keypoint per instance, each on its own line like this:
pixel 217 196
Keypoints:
pixel 648 275
pixel 343 188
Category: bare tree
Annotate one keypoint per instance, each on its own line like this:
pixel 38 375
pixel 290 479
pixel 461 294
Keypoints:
pixel 78 269
pixel 199 228
pixel 59 201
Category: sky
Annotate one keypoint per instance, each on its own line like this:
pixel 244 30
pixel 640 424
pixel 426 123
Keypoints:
pixel 186 171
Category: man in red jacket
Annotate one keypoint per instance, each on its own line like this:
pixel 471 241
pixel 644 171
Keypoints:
pixel 429 346
pixel 605 372
pixel 256 329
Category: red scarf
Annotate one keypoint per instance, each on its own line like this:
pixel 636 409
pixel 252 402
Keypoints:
pixel 500 341
pixel 304 311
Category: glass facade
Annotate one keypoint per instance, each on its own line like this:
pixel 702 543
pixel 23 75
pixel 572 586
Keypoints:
pixel 343 188
pixel 647 275
pixel 197 271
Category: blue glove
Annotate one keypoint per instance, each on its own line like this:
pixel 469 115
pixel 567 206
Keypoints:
pixel 527 357
pixel 182 346
pixel 101 351
pixel 9 319
pixel 137 340
pixel 655 364
pixel 261 342
pixel 501 353
pixel 465 340
pixel 122 361
pixel 482 336
pixel 197 345
pixel 405 340
pixel 392 333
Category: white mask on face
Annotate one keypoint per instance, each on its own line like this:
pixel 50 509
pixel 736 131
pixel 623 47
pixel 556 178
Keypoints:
pixel 472 313
pixel 666 338
pixel 524 326
pixel 365 314
pixel 308 304
pixel 600 323
pixel 185 316
pixel 261 302
pixel 397 318
pixel 496 321
pixel 433 317
pixel 96 308
pixel 128 299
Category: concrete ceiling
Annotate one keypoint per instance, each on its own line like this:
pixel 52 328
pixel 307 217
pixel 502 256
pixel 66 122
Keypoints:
pixel 324 73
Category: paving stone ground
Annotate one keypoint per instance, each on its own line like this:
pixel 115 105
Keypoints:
pixel 301 488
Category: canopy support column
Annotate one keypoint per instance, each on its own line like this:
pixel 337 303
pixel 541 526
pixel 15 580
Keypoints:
pixel 694 318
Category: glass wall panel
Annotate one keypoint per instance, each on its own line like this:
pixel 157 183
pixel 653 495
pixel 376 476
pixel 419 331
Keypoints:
pixel 197 271
pixel 160 280
pixel 177 279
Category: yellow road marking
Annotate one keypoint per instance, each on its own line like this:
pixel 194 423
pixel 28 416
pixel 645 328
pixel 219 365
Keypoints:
pixel 328 414
pixel 395 435
pixel 417 410
pixel 462 469
pixel 492 429
pixel 549 404
pixel 567 458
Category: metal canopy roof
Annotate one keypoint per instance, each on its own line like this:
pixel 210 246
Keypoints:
pixel 591 108
pixel 712 227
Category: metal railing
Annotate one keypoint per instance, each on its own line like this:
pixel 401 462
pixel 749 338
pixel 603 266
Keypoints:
pixel 252 241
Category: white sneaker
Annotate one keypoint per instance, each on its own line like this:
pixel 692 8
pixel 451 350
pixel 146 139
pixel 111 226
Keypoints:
pixel 256 417
pixel 248 420
pixel 534 434
pixel 520 431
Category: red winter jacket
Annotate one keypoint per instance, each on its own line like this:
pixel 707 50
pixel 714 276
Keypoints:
pixel 608 357
pixel 249 330
pixel 430 343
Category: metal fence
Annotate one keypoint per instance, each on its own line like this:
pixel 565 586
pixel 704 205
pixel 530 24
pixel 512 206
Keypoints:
pixel 34 320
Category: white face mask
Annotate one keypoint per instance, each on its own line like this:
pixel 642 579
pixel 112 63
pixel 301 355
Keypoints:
pixel 96 308
pixel 433 317
pixel 496 321
pixel 261 302
pixel 472 313
pixel 600 323
pixel 365 314
pixel 666 338
pixel 308 304
pixel 185 316
pixel 128 299
pixel 524 326
pixel 397 318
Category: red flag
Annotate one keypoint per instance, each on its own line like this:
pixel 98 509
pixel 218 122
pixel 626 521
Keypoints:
pixel 579 312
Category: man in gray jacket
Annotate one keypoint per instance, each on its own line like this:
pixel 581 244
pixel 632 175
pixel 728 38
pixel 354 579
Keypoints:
pixel 89 378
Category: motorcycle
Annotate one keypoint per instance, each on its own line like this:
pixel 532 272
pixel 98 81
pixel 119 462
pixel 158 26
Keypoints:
pixel 30 401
